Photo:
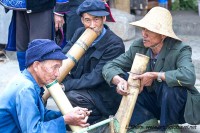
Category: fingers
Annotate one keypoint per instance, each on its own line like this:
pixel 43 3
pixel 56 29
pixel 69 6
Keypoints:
pixel 59 22
pixel 135 77
pixel 85 125
pixel 83 115
pixel 122 88
pixel 58 26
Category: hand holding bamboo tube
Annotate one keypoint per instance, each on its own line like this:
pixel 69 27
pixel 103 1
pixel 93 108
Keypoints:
pixel 61 101
pixel 127 104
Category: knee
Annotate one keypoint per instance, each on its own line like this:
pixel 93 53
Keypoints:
pixel 173 93
pixel 73 96
pixel 70 94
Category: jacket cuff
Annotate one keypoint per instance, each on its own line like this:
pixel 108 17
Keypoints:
pixel 59 14
pixel 61 7
pixel 109 77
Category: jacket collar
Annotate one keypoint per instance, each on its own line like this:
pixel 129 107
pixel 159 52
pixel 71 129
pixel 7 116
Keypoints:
pixel 101 41
pixel 168 45
pixel 28 75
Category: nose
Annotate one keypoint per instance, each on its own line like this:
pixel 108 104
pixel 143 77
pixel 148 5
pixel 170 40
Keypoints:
pixel 144 33
pixel 57 72
pixel 92 24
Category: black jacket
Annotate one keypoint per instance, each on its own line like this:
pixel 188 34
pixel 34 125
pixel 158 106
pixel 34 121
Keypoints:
pixel 87 74
pixel 64 7
pixel 40 5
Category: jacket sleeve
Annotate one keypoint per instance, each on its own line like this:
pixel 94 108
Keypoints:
pixel 119 66
pixel 31 114
pixel 184 75
pixel 94 78
pixel 61 7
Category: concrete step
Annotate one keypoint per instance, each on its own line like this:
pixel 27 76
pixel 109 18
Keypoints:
pixel 186 22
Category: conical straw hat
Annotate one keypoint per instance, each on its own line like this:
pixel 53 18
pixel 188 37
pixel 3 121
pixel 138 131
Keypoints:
pixel 158 20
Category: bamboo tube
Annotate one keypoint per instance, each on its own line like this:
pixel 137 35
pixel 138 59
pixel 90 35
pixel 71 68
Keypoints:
pixel 127 104
pixel 74 54
pixel 61 100
pixel 77 51
pixel 96 125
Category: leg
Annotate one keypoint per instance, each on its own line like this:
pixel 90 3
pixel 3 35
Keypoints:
pixel 73 22
pixel 81 98
pixel 172 102
pixel 41 25
pixel 22 37
pixel 145 108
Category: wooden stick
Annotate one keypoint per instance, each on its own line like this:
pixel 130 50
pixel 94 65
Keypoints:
pixel 127 104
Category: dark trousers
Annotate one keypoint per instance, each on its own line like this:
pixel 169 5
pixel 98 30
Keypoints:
pixel 31 26
pixel 83 99
pixel 73 22
pixel 165 103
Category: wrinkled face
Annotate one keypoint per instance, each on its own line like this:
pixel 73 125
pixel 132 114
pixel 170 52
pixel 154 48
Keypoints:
pixel 151 39
pixel 47 71
pixel 93 22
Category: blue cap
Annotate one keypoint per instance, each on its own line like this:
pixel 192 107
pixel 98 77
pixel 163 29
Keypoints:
pixel 43 49
pixel 92 7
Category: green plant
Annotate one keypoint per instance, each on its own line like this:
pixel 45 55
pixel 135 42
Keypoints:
pixel 175 5
pixel 185 5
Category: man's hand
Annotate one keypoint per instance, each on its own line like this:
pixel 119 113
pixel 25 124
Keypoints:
pixel 59 21
pixel 146 79
pixel 122 85
pixel 77 117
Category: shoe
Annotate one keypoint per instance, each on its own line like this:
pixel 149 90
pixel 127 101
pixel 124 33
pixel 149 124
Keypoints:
pixel 147 125
pixel 173 129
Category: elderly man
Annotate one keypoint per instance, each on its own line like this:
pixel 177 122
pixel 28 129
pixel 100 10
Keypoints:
pixel 169 74
pixel 21 108
pixel 85 85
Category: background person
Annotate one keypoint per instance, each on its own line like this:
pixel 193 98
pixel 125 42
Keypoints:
pixel 31 20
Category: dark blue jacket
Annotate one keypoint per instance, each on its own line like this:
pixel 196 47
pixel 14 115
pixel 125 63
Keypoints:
pixel 87 73
pixel 31 5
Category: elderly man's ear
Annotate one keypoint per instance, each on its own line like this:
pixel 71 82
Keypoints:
pixel 163 37
pixel 104 18
pixel 35 66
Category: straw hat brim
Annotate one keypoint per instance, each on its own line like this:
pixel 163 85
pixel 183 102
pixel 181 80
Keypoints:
pixel 155 28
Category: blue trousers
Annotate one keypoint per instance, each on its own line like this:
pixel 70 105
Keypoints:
pixel 165 103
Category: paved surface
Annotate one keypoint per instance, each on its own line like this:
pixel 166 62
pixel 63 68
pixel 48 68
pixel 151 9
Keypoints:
pixel 191 35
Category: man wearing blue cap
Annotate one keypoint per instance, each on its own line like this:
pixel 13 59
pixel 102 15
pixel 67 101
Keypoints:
pixel 85 85
pixel 21 108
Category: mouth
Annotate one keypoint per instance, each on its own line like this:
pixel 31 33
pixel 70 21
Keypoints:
pixel 144 41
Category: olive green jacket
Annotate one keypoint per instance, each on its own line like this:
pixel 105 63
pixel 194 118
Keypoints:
pixel 174 59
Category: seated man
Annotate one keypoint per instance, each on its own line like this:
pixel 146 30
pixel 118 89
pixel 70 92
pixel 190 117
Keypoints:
pixel 169 74
pixel 21 108
pixel 85 86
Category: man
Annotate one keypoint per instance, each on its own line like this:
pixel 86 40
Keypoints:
pixel 21 108
pixel 169 73
pixel 85 86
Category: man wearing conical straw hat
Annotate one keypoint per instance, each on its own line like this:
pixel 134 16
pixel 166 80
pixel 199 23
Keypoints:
pixel 169 73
